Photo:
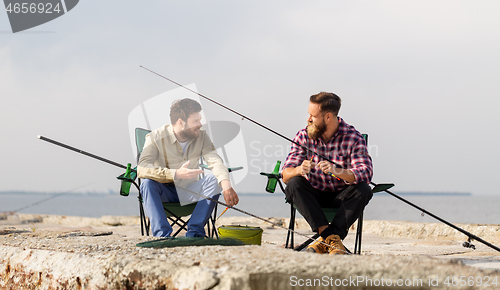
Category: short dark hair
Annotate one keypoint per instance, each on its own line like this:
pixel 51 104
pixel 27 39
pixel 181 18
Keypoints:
pixel 183 109
pixel 328 102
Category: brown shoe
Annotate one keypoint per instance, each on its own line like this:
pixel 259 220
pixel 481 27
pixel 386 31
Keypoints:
pixel 318 247
pixel 337 248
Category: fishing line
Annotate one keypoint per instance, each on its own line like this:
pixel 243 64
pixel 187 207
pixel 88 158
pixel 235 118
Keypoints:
pixel 49 198
pixel 469 235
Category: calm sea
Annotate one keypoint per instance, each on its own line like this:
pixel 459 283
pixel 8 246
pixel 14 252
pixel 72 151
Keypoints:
pixel 456 209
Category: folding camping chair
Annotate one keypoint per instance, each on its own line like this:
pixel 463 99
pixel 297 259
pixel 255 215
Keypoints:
pixel 329 213
pixel 174 211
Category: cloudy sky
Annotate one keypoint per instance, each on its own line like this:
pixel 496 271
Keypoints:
pixel 420 77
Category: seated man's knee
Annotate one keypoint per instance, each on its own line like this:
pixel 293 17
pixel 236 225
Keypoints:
pixel 294 184
pixel 296 181
pixel 210 179
pixel 148 185
pixel 365 191
pixel 210 182
pixel 147 182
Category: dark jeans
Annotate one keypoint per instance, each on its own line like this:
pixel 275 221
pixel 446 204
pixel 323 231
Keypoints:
pixel 309 201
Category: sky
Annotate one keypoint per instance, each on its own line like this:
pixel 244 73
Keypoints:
pixel 420 77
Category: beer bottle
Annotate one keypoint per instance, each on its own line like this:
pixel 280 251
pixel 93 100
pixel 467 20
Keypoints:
pixel 271 181
pixel 125 187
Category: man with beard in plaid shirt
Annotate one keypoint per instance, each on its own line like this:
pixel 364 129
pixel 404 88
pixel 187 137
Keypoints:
pixel 313 182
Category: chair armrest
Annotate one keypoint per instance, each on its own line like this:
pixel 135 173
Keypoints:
pixel 133 176
pixel 270 175
pixel 382 187
pixel 231 169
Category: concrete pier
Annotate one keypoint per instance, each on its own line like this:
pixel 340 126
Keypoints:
pixel 57 252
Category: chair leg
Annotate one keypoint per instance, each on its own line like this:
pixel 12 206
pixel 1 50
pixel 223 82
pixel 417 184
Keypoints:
pixel 142 217
pixel 215 233
pixel 176 220
pixel 359 233
pixel 144 221
pixel 291 225
pixel 209 230
pixel 180 222
pixel 212 220
pixel 212 230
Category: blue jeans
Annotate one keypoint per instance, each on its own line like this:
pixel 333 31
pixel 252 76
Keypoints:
pixel 155 193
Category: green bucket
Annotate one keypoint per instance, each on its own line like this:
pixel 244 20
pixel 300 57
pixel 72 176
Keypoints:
pixel 246 234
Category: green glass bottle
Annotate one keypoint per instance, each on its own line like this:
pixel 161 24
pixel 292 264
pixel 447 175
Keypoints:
pixel 125 187
pixel 271 181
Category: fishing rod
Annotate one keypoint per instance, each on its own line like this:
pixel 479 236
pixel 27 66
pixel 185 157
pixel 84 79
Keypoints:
pixel 82 152
pixel 469 235
pixel 190 191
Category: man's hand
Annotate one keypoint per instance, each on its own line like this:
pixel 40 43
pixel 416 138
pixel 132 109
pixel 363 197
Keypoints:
pixel 185 173
pixel 339 173
pixel 301 170
pixel 325 166
pixel 305 167
pixel 230 195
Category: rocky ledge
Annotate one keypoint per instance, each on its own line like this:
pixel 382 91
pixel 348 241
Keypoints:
pixel 42 255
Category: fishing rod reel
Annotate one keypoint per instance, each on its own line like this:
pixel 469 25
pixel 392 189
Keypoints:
pixel 468 244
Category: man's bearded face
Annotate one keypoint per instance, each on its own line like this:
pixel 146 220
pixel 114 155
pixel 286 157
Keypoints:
pixel 192 127
pixel 314 131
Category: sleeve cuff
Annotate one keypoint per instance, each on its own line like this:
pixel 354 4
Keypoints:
pixel 356 177
pixel 171 172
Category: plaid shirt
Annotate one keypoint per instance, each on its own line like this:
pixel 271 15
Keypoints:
pixel 346 148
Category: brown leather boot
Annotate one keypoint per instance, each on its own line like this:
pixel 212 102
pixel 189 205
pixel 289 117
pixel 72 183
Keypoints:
pixel 337 248
pixel 318 247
